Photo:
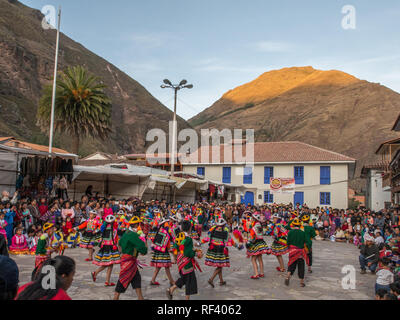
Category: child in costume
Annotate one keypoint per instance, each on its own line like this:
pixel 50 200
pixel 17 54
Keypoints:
pixel 186 263
pixel 161 246
pixel 43 248
pixel 3 225
pixel 279 246
pixel 256 246
pixel 217 254
pixel 108 255
pixel 57 242
pixel 19 245
pixel 90 235
pixel 297 253
pixel 131 245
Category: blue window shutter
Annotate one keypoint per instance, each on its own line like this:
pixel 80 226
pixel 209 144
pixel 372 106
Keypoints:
pixel 268 197
pixel 247 175
pixel 325 198
pixel 325 175
pixel 299 175
pixel 226 175
pixel 201 171
pixel 268 174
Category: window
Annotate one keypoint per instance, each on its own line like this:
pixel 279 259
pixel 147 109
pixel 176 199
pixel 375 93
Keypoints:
pixel 299 175
pixel 268 174
pixel 247 175
pixel 201 171
pixel 226 174
pixel 325 175
pixel 325 198
pixel 268 197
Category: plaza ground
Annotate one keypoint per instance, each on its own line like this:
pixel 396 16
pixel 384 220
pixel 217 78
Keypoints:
pixel 325 283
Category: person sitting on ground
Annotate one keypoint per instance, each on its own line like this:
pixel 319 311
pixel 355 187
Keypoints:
pixel 9 275
pixel 384 275
pixel 339 235
pixel 65 270
pixel 380 294
pixel 369 255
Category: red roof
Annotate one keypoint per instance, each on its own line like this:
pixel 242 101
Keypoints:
pixel 288 151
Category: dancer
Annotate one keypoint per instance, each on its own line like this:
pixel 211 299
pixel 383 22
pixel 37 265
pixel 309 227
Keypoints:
pixel 90 234
pixel 161 246
pixel 256 246
pixel 108 254
pixel 43 248
pixel 130 245
pixel 297 255
pixel 217 254
pixel 186 263
pixel 279 246
pixel 310 235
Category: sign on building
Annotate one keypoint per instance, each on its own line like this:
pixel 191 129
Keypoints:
pixel 282 185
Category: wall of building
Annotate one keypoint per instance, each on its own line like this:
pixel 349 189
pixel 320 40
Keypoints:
pixel 376 196
pixel 311 188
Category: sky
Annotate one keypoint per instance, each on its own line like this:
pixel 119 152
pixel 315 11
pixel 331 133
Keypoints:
pixel 218 45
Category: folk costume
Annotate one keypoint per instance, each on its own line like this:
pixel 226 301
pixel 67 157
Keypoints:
pixel 279 246
pixel 90 236
pixel 19 245
pixel 43 248
pixel 256 244
pixel 161 246
pixel 217 253
pixel 131 246
pixel 297 253
pixel 108 253
pixel 187 265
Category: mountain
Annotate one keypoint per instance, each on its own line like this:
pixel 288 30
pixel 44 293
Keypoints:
pixel 27 64
pixel 328 109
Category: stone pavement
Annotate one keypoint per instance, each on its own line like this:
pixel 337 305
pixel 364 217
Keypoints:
pixel 323 284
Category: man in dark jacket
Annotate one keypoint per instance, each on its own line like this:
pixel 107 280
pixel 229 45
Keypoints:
pixel 369 255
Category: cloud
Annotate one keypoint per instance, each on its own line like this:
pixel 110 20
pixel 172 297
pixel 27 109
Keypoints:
pixel 272 46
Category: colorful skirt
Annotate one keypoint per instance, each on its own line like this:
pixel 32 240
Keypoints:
pixel 151 235
pixel 217 256
pixel 16 250
pixel 258 247
pixel 107 255
pixel 161 259
pixel 89 240
pixel 279 249
pixel 72 240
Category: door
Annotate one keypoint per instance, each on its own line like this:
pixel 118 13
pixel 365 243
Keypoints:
pixel 298 198
pixel 248 198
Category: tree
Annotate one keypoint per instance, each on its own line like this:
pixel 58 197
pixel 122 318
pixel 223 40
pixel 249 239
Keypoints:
pixel 82 108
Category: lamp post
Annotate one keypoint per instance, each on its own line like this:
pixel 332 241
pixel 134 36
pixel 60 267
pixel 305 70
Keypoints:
pixel 182 85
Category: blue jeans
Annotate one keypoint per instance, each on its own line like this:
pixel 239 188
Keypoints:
pixel 363 263
pixel 380 286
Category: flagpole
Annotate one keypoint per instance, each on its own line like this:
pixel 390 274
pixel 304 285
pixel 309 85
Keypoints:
pixel 53 102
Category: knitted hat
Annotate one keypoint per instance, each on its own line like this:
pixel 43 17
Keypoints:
pixel 221 222
pixel 256 216
pixel 110 218
pixel 135 220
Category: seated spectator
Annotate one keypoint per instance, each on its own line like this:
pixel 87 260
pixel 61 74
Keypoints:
pixel 65 271
pixel 395 289
pixel 379 241
pixel 339 235
pixel 380 294
pixel 384 275
pixel 369 255
pixel 9 275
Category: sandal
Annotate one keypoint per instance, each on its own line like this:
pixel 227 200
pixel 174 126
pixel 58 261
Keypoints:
pixel 87 259
pixel 154 283
pixel 280 270
pixel 94 276
pixel 109 284
pixel 302 284
pixel 211 283
pixel 261 275
pixel 222 283
pixel 254 277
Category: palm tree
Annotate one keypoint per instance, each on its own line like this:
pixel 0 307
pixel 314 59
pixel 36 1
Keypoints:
pixel 82 108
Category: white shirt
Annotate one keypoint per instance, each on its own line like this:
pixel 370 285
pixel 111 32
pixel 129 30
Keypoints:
pixel 384 277
pixel 379 240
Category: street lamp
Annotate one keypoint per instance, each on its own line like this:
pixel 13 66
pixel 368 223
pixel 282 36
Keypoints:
pixel 176 87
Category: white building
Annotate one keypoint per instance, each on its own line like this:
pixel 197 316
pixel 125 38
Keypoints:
pixel 321 176
pixel 377 197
